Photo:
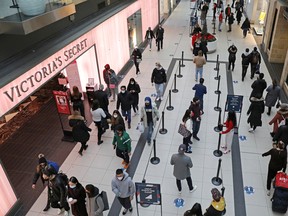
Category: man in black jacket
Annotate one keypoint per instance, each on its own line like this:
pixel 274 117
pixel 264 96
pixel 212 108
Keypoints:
pixel 196 116
pixel 258 87
pixel 102 97
pixel 125 99
pixel 58 191
pixel 159 78
pixel 255 59
pixel 159 37
pixel 282 134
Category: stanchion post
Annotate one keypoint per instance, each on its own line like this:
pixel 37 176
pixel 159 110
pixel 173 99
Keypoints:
pixel 217 180
pixel 219 126
pixel 218 152
pixel 182 64
pixel 222 191
pixel 217 108
pixel 175 90
pixel 154 160
pixel 179 74
pixel 163 130
pixel 169 107
pixel 214 23
pixel 218 86
pixel 217 66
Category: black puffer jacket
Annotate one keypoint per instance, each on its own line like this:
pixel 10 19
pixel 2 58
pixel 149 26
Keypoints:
pixel 58 190
pixel 125 100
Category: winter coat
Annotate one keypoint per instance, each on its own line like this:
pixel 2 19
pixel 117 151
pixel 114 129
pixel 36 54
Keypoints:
pixel 273 94
pixel 231 19
pixel 125 99
pixel 102 97
pixel 182 164
pixel 238 15
pixel 200 90
pixel 255 55
pixel 123 143
pixel 282 134
pixel 279 117
pixel 124 188
pixel 58 190
pixel 158 76
pixel 113 79
pixel 155 115
pixel 135 95
pixel 94 205
pixel 255 110
pixel 151 34
pixel 258 87
pixel 78 208
pixel 203 46
pixel 160 33
pixel 117 121
pixel 80 131
pixel 216 208
pixel 246 24
pixel 245 59
pixel 278 159
pixel 199 61
pixel 232 53
pixel 136 55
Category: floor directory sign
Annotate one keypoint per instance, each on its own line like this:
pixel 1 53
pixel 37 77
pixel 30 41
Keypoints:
pixel 234 103
pixel 147 193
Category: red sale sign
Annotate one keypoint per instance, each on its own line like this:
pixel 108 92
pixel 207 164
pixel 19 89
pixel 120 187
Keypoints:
pixel 62 102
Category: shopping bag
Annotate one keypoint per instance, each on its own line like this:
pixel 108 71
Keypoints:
pixel 281 180
pixel 140 127
pixel 183 131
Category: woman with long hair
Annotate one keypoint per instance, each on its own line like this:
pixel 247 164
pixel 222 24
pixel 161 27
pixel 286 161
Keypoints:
pixel 187 140
pixel 230 124
pixel 134 89
pixel 116 120
pixel 97 115
pixel 76 99
pixel 95 204
pixel 273 94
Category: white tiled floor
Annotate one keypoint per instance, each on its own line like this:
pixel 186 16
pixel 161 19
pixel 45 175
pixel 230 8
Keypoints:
pixel 98 163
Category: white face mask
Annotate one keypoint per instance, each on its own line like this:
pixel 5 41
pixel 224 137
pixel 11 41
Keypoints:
pixel 123 91
pixel 132 83
pixel 120 178
pixel 115 116
pixel 72 186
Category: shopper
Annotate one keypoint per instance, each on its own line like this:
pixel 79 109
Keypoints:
pixel 255 59
pixel 217 207
pixel 94 202
pixel 134 89
pixel 58 191
pixel 113 84
pixel 102 97
pixel 149 115
pixel 149 37
pixel 220 19
pixel 203 14
pixel 279 117
pixel 199 61
pixel 124 99
pixel 76 99
pixel 106 78
pixel 227 12
pixel 97 115
pixel 230 21
pixel 196 210
pixel 278 162
pixel 123 187
pixel 76 197
pixel 282 134
pixel 186 119
pixel 137 58
pixel 196 117
pixel 232 50
pixel 245 27
pixel 197 46
pixel 197 29
pixel 200 90
pixel 116 120
pixel 79 131
pixel 203 46
pixel 272 96
pixel 258 86
pixel 230 124
pixel 182 165
pixel 158 77
pixel 122 143
pixel 238 16
pixel 159 37
pixel 245 63
pixel 255 111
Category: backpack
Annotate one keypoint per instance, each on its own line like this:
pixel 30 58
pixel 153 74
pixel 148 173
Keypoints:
pixel 54 165
pixel 254 59
pixel 64 177
pixel 104 197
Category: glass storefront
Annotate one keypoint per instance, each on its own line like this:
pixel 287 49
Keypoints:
pixel 134 23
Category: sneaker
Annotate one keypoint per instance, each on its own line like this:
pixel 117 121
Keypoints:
pixel 130 209
pixel 194 188
pixel 268 193
pixel 222 146
pixel 272 134
pixel 251 130
pixel 126 118
pixel 161 98
pixel 80 153
pixel 197 138
pixel 226 151
pixel 60 211
pixel 188 151
pixel 66 213
pixel 190 142
pixel 149 143
pixel 124 211
pixel 179 192
pixel 86 146
pixel 100 142
pixel 46 208
pixel 129 126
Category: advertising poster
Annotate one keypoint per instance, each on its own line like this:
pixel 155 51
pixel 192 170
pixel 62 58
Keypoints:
pixel 62 102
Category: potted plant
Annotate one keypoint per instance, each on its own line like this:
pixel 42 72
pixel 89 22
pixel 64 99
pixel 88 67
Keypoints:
pixel 32 7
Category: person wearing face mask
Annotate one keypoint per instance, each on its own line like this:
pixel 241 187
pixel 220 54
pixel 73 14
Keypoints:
pixel 95 204
pixel 196 116
pixel 245 62
pixel 149 116
pixel 125 99
pixel 122 143
pixel 76 197
pixel 134 89
pixel 123 187
pixel 116 120
pixel 159 78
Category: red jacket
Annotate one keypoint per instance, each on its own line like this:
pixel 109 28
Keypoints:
pixel 220 17
pixel 229 126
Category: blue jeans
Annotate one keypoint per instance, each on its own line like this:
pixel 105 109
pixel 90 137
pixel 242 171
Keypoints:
pixel 150 42
pixel 200 72
pixel 159 89
pixel 127 114
pixel 150 131
pixel 195 127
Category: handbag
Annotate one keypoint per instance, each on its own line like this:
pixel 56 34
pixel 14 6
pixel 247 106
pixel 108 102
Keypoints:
pixel 183 131
pixel 278 104
pixel 140 127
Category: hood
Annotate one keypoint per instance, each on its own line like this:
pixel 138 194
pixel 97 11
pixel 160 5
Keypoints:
pixel 246 53
pixel 107 66
pixel 219 206
pixel 150 103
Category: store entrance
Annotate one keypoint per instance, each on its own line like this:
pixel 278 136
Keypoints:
pixel 134 23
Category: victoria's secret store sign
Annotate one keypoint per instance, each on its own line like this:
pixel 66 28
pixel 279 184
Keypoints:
pixel 14 92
